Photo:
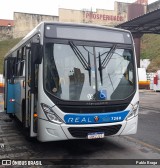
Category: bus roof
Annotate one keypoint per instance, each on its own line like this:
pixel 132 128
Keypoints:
pixel 84 25
pixel 40 29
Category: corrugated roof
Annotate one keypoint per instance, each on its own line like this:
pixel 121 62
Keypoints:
pixel 148 23
pixel 4 22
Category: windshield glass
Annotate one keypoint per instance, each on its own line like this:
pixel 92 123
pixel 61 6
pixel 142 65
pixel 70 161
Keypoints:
pixel 88 72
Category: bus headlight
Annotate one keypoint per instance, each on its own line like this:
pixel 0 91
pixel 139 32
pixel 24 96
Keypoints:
pixel 133 112
pixel 50 114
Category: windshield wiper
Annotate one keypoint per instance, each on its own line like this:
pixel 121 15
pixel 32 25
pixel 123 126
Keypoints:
pixel 86 65
pixel 108 56
pixel 79 55
pixel 106 60
pixel 100 68
pixel 89 70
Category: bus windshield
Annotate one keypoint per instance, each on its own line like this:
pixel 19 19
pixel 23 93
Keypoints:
pixel 88 72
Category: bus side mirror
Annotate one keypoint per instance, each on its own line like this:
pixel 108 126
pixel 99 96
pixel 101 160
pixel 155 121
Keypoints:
pixel 36 53
pixel 36 58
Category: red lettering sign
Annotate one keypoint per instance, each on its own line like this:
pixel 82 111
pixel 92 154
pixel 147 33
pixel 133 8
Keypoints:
pixel 96 16
pixel 87 15
pixel 104 17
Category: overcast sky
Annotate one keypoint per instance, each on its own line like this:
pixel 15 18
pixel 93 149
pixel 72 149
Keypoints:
pixel 50 7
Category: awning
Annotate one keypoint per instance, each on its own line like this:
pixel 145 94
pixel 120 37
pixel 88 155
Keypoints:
pixel 147 23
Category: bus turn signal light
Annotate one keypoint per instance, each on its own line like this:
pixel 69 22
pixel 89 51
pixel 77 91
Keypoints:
pixel 35 115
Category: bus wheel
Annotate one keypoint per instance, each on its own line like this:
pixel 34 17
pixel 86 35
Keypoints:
pixel 11 116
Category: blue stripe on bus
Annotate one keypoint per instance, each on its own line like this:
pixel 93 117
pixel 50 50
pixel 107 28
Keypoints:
pixel 95 118
pixel 10 95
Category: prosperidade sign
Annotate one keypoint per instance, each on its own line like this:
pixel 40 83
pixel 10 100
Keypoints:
pixel 90 15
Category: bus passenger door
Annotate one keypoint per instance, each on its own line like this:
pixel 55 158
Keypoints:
pixel 30 97
pixel 9 96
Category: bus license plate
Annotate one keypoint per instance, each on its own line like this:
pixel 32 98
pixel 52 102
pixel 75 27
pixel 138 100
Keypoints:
pixel 95 135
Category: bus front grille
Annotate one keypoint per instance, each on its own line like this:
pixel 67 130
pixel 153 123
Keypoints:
pixel 82 132
pixel 93 109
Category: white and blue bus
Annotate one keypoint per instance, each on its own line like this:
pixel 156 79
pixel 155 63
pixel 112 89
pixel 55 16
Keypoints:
pixel 72 81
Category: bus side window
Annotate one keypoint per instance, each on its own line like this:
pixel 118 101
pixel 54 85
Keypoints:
pixel 18 63
pixel 10 69
pixel 28 53
pixel 14 67
pixel 22 62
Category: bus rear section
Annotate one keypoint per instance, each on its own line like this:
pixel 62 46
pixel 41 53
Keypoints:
pixel 83 86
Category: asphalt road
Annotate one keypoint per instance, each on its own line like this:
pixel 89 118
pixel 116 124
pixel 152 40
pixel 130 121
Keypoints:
pixel 90 153
pixel 149 118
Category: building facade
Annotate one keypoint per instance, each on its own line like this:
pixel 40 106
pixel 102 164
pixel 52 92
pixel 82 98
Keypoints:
pixel 6 29
pixel 25 22
pixel 100 16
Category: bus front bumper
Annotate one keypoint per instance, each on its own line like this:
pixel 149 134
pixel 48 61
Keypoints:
pixel 48 131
